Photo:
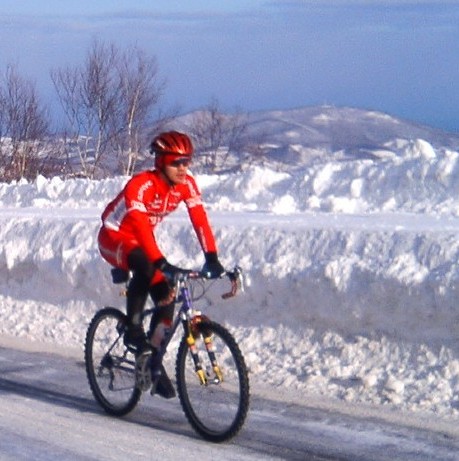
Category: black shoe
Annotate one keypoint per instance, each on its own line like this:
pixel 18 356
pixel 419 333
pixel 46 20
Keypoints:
pixel 164 386
pixel 135 338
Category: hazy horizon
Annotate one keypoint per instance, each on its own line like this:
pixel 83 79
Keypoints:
pixel 391 56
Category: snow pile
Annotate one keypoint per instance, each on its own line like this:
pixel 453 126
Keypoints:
pixel 407 176
pixel 353 271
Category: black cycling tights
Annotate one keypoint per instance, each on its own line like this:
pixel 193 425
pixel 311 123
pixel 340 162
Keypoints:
pixel 139 288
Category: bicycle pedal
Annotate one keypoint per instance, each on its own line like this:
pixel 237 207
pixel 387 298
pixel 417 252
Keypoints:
pixel 143 371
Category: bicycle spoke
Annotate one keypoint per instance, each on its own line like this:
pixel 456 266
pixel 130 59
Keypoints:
pixel 110 366
pixel 216 409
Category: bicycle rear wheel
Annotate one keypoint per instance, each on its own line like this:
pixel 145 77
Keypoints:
pixel 110 366
pixel 216 409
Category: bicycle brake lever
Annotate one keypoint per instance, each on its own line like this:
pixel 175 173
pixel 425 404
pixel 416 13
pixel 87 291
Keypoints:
pixel 237 282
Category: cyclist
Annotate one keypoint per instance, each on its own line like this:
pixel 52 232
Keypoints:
pixel 127 241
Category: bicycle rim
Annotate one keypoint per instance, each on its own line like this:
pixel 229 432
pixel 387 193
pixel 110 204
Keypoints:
pixel 110 367
pixel 217 409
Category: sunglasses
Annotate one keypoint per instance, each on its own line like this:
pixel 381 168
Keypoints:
pixel 180 162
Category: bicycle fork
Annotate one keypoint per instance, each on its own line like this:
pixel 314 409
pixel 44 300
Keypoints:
pixel 192 327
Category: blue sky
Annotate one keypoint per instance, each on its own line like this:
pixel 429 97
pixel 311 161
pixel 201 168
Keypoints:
pixel 395 56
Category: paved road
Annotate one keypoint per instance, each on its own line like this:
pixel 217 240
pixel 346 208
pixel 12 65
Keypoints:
pixel 48 413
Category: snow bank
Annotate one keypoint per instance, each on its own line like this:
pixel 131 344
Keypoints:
pixel 407 176
pixel 358 305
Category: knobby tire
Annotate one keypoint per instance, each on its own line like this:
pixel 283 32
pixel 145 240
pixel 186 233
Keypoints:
pixel 217 410
pixel 110 367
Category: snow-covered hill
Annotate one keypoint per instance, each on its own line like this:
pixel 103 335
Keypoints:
pixel 336 129
pixel 294 138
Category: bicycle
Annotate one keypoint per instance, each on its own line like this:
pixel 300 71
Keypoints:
pixel 211 375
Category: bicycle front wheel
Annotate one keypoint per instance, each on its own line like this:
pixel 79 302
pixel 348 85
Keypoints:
pixel 215 401
pixel 110 366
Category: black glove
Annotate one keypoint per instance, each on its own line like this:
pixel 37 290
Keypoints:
pixel 169 270
pixel 212 268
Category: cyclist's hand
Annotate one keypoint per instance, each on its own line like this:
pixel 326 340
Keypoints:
pixel 212 268
pixel 169 270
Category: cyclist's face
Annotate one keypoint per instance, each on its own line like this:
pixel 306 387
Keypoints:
pixel 177 169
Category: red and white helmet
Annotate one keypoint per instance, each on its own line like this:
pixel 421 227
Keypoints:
pixel 169 146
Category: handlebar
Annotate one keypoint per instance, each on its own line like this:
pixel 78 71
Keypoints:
pixel 235 276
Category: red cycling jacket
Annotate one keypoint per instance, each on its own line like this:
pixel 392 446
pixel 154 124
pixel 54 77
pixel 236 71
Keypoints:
pixel 130 219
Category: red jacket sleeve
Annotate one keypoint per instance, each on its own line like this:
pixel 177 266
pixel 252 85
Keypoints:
pixel 199 219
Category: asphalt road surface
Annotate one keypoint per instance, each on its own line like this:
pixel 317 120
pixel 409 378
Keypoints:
pixel 48 413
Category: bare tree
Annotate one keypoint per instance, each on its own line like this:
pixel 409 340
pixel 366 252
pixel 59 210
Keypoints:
pixel 89 95
pixel 107 102
pixel 217 135
pixel 24 121
pixel 140 90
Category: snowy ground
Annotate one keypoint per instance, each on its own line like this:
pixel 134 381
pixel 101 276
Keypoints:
pixel 352 267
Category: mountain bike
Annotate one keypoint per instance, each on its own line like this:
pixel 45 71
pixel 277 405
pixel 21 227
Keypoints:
pixel 211 375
